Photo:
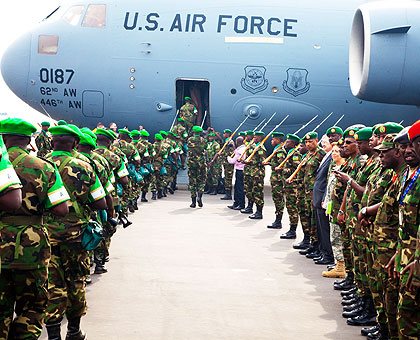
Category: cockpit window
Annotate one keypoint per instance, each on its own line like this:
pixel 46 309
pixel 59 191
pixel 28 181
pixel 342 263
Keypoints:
pixel 73 14
pixel 95 16
pixel 48 44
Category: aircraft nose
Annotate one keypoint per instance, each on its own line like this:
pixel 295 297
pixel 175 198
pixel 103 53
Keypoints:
pixel 15 65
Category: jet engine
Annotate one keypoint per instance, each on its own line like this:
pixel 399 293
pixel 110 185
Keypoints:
pixel 384 58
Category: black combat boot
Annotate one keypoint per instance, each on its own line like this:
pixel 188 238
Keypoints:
pixel 367 331
pixel 228 196
pixel 164 192
pixel 347 284
pixel 99 264
pixel 169 188
pixel 291 234
pixel 159 194
pixel 258 214
pixel 54 330
pixel 276 224
pixel 200 200
pixel 125 222
pixel 143 196
pixel 381 334
pixel 73 330
pixel 304 244
pixel 193 202
pixel 248 209
pixel 154 195
pixel 207 189
pixel 136 207
pixel 368 316
pixel 213 190
pixel 130 206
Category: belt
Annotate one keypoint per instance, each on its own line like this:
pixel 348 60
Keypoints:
pixel 24 222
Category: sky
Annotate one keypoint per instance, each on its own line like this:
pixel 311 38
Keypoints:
pixel 16 18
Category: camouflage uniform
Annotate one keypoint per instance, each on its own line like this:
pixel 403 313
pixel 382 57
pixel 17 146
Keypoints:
pixel 290 189
pixel 196 164
pixel 162 150
pixel 312 163
pixel 228 169
pixel 146 152
pixel 408 314
pixel 187 112
pixel 69 260
pixel 215 170
pixel 300 194
pixel 43 143
pixel 182 136
pixel 171 162
pixel 25 248
pixel 248 172
pixel 256 174
pixel 277 181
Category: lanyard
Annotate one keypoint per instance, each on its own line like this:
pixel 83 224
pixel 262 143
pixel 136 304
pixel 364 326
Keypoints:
pixel 410 185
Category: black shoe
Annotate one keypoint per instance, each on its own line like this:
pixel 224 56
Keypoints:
pixel 200 200
pixel 344 286
pixel 350 296
pixel 381 334
pixel 233 206
pixel 136 207
pixel 363 319
pixel 159 194
pixel 348 292
pixel 248 209
pixel 367 331
pixel 239 208
pixel 130 207
pixel 164 192
pixel 350 302
pixel 353 306
pixel 256 216
pixel 307 251
pixel 213 191
pixel 304 244
pixel 290 235
pixel 154 195
pixel 318 258
pixel 100 269
pixel 143 197
pixel 169 188
pixel 353 313
pixel 227 197
pixel 276 224
pixel 324 261
pixel 314 254
pixel 338 282
pixel 194 202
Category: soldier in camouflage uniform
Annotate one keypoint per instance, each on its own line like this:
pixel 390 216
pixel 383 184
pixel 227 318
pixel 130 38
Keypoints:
pixel 181 137
pixel 169 162
pixel 196 166
pixel 25 248
pixel 133 158
pixel 276 178
pixel 158 178
pixel 256 174
pixel 214 168
pixel 69 260
pixel 249 145
pixel 135 138
pixel 43 141
pixel 174 163
pixel 146 152
pixel 188 113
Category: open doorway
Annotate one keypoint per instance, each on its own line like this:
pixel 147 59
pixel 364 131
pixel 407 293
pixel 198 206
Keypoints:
pixel 199 91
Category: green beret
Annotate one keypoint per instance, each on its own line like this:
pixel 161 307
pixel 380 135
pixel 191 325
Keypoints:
pixel 188 98
pixel 113 133
pixel 144 133
pixel 311 135
pixel 135 133
pixel 16 126
pixel 241 134
pixel 124 131
pixel 227 131
pixel 249 133
pixel 75 129
pixel 363 134
pixel 350 133
pixel 163 133
pixel 387 144
pixel 158 136
pixel 334 129
pixel 181 120
pixel 277 135
pixel 63 130
pixel 87 140
pixel 61 123
pixel 89 132
pixel 170 133
pixel 259 133
pixel 107 133
pixel 211 134
pixel 387 128
pixel 293 137
pixel 45 123
pixel 197 129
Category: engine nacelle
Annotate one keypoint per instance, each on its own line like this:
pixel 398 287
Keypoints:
pixel 384 60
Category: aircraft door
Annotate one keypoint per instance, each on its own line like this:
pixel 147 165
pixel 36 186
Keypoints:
pixel 93 104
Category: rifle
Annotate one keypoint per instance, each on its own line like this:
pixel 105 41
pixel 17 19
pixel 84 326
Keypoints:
pixel 259 124
pixel 268 121
pixel 265 162
pixel 266 137
pixel 173 122
pixel 233 134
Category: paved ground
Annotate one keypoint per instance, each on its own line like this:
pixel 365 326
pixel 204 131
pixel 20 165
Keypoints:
pixel 211 273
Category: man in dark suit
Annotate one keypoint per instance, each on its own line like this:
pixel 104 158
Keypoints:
pixel 322 223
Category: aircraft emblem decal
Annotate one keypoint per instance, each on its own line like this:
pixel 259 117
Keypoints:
pixel 254 80
pixel 297 81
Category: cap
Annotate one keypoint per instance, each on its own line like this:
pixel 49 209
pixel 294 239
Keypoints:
pixel 61 122
pixel 334 129
pixel 402 137
pixel 259 133
pixel 107 133
pixel 64 130
pixel 349 133
pixel 363 134
pixel 45 123
pixel 387 143
pixel 277 135
pixel 227 131
pixel 387 128
pixel 311 135
pixel 249 133
pixel 87 140
pixel 197 129
pixel 293 137
pixel 414 131
pixel 124 131
pixel 144 133
pixel 211 134
pixel 158 136
pixel 16 126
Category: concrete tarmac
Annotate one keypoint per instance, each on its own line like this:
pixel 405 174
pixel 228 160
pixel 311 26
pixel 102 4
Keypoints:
pixel 209 273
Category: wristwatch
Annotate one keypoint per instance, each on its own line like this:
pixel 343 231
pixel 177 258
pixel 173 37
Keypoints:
pixel 341 212
pixel 364 211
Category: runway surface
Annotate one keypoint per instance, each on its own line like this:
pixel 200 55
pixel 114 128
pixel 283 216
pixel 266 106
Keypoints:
pixel 209 273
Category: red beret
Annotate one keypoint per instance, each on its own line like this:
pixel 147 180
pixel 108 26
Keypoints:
pixel 414 131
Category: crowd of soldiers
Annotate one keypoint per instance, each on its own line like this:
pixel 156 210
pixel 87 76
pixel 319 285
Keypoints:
pixel 60 209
